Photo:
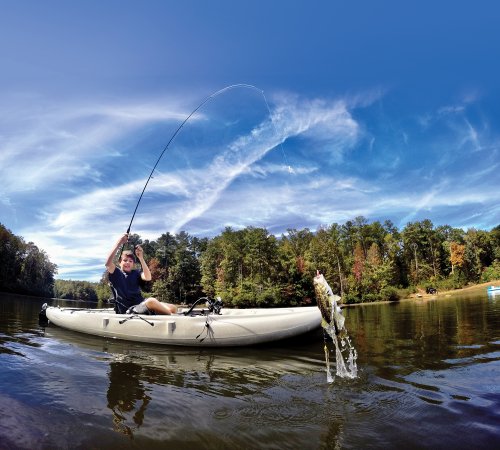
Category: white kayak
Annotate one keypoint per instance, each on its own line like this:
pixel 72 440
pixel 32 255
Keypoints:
pixel 231 327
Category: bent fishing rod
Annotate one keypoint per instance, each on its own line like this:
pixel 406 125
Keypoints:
pixel 206 100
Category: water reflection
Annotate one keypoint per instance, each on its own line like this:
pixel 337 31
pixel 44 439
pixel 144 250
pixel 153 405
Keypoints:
pixel 150 386
pixel 127 396
pixel 14 334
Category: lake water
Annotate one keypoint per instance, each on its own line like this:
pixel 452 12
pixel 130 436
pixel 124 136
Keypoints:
pixel 428 377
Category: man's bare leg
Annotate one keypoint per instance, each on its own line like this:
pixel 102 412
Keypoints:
pixel 160 308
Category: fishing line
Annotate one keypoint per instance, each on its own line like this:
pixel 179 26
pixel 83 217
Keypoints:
pixel 206 100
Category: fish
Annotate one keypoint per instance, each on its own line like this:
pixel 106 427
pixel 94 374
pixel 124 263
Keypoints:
pixel 327 303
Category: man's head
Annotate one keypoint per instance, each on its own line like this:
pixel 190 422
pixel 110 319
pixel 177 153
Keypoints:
pixel 127 261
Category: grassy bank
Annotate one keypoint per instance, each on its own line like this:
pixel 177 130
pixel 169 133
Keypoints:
pixel 423 294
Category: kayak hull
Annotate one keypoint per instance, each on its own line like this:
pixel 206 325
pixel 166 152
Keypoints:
pixel 233 327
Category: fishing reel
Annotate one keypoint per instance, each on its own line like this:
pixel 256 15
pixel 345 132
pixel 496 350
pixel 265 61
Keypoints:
pixel 214 306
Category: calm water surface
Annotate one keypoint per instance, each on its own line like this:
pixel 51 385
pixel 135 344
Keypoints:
pixel 428 377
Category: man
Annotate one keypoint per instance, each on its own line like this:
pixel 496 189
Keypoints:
pixel 125 283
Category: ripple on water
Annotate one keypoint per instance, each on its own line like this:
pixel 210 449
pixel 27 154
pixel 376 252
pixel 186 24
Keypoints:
pixel 19 343
pixel 284 413
pixel 291 399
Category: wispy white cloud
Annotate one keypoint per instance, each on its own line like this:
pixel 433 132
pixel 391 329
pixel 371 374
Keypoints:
pixel 471 137
pixel 323 121
pixel 60 143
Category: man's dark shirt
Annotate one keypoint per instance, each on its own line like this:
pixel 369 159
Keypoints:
pixel 126 289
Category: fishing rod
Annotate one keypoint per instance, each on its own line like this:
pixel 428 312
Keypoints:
pixel 206 100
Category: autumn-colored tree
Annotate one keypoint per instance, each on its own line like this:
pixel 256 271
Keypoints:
pixel 157 270
pixel 457 255
pixel 359 262
pixel 373 255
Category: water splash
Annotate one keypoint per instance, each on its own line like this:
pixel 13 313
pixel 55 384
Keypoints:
pixel 345 355
pixel 334 326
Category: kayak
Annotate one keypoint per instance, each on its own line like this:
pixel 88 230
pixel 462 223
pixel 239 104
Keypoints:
pixel 219 328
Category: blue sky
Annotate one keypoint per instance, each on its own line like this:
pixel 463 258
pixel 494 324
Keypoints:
pixel 386 109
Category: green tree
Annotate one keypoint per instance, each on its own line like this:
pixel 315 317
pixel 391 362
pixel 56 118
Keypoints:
pixel 76 290
pixel 25 268
pixel 296 280
pixel 326 254
pixel 178 279
pixel 479 253
pixel 416 250
pixel 243 267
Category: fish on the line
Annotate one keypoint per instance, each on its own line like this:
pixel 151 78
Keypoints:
pixel 328 303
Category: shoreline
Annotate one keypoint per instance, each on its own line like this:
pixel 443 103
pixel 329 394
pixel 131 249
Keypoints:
pixel 424 296
pixel 454 291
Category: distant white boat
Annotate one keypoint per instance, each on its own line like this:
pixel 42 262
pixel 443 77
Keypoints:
pixel 226 328
pixel 493 288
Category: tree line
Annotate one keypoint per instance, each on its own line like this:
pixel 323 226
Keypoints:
pixel 362 262
pixel 25 269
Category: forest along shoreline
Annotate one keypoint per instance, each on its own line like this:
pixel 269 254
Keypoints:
pixel 416 296
pixel 252 268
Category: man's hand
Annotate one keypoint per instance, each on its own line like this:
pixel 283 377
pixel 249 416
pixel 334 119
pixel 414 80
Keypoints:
pixel 146 273
pixel 122 240
pixel 110 265
pixel 139 252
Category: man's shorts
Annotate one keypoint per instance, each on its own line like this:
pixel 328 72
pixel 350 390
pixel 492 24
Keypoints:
pixel 141 308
